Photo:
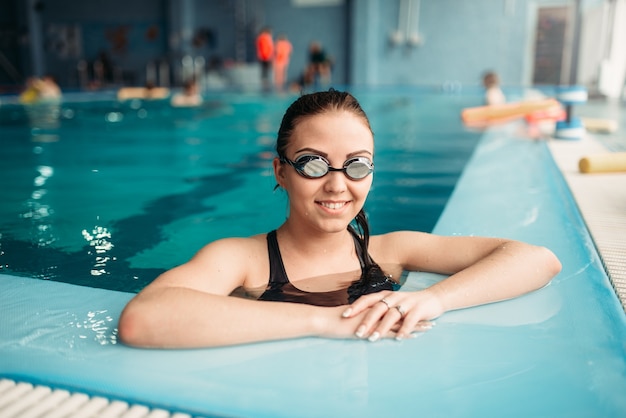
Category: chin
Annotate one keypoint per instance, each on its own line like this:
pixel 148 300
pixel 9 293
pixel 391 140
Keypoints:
pixel 332 227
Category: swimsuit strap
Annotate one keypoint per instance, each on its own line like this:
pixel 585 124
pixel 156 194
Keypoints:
pixel 278 275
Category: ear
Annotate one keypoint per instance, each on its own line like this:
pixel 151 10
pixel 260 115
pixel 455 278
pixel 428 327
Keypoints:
pixel 279 172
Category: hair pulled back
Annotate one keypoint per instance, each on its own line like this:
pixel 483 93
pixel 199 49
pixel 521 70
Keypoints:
pixel 314 104
pixel 317 103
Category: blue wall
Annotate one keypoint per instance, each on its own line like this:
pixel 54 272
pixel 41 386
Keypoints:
pixel 461 38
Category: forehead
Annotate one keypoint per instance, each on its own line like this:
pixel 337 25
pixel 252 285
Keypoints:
pixel 332 129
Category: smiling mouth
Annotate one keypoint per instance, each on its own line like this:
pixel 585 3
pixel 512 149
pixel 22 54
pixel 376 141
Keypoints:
pixel 333 205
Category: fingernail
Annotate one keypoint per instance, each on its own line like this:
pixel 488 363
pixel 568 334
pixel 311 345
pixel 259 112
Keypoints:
pixel 360 331
pixel 374 337
pixel 347 313
pixel 400 337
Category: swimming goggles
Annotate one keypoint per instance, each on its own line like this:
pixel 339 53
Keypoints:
pixel 316 166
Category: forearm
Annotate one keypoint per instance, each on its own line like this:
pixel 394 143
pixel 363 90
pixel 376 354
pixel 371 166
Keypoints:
pixel 481 271
pixel 176 317
pixel 511 270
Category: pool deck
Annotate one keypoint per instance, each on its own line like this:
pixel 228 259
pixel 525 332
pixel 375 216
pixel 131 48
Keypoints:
pixel 601 199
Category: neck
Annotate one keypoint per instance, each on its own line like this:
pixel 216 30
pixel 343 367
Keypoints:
pixel 312 240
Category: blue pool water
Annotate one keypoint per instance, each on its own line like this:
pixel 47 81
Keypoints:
pixel 555 352
pixel 107 194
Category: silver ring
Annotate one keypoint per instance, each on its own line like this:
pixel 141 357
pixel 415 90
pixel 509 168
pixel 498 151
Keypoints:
pixel 383 300
pixel 401 310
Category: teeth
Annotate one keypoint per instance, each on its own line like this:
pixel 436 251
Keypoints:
pixel 331 205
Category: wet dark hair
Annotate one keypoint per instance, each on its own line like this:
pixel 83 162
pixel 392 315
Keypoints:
pixel 318 103
pixel 314 104
pixel 490 79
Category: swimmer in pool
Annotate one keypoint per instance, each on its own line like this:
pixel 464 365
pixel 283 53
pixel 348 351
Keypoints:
pixel 493 92
pixel 320 273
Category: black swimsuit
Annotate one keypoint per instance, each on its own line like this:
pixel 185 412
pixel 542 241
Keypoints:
pixel 281 289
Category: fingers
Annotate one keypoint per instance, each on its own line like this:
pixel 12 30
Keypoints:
pixel 421 326
pixel 395 314
pixel 365 302
pixel 380 317
pixel 378 310
pixel 400 329
pixel 409 330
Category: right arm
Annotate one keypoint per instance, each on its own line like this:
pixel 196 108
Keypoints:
pixel 189 306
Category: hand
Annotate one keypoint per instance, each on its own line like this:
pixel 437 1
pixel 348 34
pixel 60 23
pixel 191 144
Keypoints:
pixel 333 324
pixel 387 311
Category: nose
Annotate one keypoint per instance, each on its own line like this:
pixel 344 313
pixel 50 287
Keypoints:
pixel 335 182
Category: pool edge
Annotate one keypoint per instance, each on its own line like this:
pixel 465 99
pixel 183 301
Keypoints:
pixel 598 197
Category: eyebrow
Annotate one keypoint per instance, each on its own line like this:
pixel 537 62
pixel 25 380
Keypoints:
pixel 325 155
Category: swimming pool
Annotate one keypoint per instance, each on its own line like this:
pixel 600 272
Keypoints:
pixel 107 194
pixel 558 351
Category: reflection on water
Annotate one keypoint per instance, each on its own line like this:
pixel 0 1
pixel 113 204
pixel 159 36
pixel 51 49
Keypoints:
pixel 100 240
pixel 44 119
pixel 45 172
pixel 39 211
pixel 97 325
pixel 44 114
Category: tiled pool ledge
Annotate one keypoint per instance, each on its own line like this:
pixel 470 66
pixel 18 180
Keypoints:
pixel 601 198
pixel 555 352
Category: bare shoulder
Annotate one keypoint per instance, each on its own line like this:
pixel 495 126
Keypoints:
pixel 222 265
pixel 248 247
pixel 240 256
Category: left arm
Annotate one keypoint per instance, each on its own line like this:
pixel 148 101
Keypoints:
pixel 482 270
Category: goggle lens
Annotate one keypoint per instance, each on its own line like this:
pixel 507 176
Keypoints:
pixel 315 166
pixel 358 169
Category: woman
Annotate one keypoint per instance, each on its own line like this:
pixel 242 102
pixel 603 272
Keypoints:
pixel 320 273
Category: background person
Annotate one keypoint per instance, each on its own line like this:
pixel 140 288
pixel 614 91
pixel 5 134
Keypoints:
pixel 44 89
pixel 319 66
pixel 493 93
pixel 281 61
pixel 189 96
pixel 265 54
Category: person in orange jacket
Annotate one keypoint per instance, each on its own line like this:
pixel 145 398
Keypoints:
pixel 265 54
